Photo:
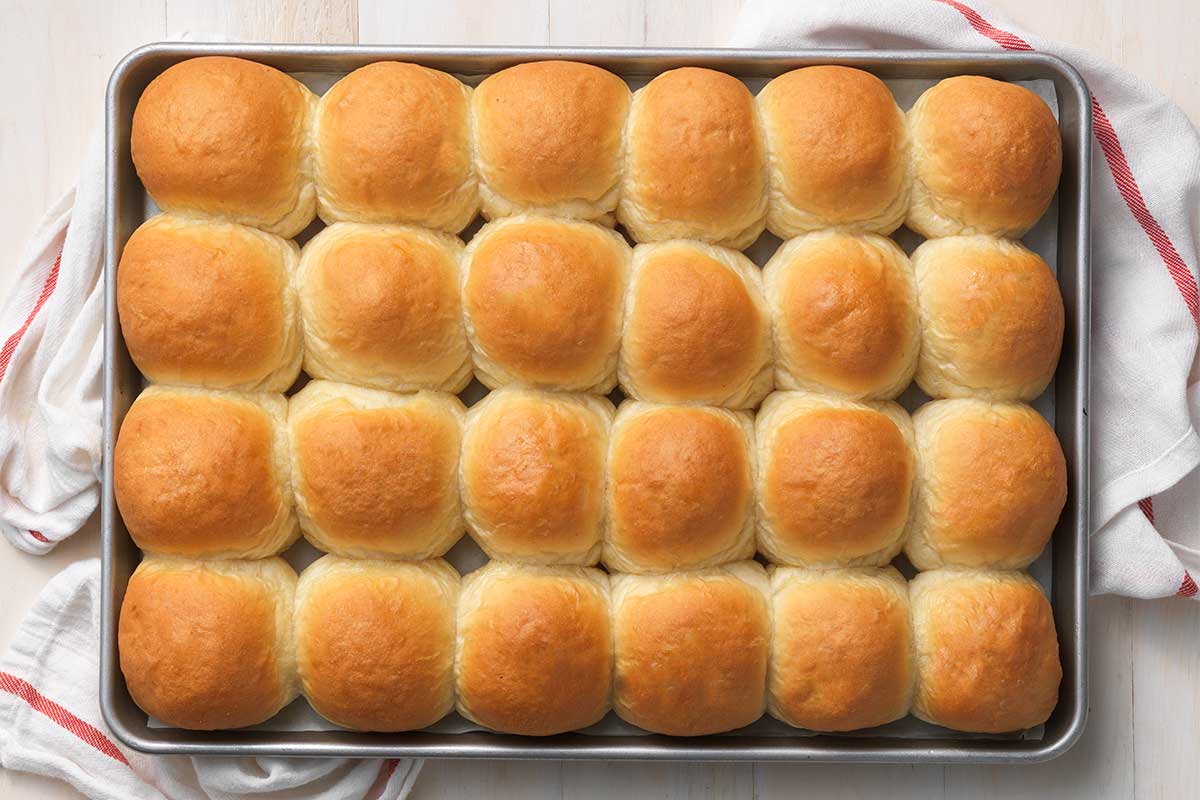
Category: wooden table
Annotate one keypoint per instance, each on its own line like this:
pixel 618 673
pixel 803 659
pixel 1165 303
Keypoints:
pixel 1143 738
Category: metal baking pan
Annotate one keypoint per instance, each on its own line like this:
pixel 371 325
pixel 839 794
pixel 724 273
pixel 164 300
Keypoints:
pixel 1065 566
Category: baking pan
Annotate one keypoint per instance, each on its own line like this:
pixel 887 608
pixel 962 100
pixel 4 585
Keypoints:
pixel 1066 565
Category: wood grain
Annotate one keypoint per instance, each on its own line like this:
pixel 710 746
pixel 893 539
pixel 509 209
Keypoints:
pixel 478 22
pixel 1144 725
pixel 325 21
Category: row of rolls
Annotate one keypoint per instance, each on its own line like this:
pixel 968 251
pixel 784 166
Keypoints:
pixel 691 155
pixel 555 478
pixel 568 305
pixel 539 650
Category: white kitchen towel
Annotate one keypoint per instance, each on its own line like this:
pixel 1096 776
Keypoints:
pixel 50 723
pixel 1145 246
pixel 50 392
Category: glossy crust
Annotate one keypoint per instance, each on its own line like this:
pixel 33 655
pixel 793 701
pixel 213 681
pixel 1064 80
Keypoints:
pixel 547 140
pixel 382 308
pixel 532 475
pixel 696 327
pixel 841 648
pixel 205 474
pixel 695 161
pixel 375 641
pixel 535 648
pixel 991 484
pixel 691 649
pixel 987 651
pixel 376 473
pixel 991 319
pixel 837 147
pixel 986 158
pixel 208 645
pixel 680 488
pixel 210 304
pixel 542 300
pixel 227 138
pixel 393 144
pixel 835 480
pixel 844 315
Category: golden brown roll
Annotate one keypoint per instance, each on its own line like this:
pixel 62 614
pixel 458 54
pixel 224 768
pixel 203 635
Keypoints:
pixel 695 164
pixel 375 641
pixel 837 147
pixel 205 474
pixel 532 475
pixel 535 648
pixel 835 480
pixel 986 158
pixel 691 649
pixel 376 473
pixel 844 313
pixel 393 144
pixel 210 304
pixel 227 138
pixel 542 300
pixel 991 484
pixel 841 648
pixel 991 319
pixel 548 140
pixel 987 651
pixel 680 488
pixel 207 645
pixel 382 308
pixel 696 327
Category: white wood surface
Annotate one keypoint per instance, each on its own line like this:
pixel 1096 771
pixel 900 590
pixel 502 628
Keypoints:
pixel 1143 738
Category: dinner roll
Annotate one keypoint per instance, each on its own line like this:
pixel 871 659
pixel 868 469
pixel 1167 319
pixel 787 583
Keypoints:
pixel 205 474
pixel 696 327
pixel 987 652
pixel 844 313
pixel 376 473
pixel 210 304
pixel 837 147
pixel 393 144
pixel 548 140
pixel 382 308
pixel 691 649
pixel 375 641
pixel 207 645
pixel 532 475
pixel 991 319
pixel 680 488
pixel 695 165
pixel 535 648
pixel 835 480
pixel 986 158
pixel 991 483
pixel 841 648
pixel 542 300
pixel 227 138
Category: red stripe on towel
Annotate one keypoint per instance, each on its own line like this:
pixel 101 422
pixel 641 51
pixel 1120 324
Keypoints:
pixel 10 344
pixel 1185 282
pixel 65 719
pixel 1009 41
